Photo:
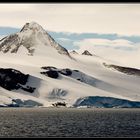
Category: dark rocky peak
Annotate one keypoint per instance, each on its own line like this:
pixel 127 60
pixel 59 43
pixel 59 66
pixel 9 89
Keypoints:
pixel 87 53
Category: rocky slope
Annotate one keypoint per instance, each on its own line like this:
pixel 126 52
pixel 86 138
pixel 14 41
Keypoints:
pixel 126 70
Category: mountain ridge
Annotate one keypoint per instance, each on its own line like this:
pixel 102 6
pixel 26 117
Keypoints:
pixel 30 35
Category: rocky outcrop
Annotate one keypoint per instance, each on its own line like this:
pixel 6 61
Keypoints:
pixel 54 72
pixel 12 79
pixel 66 72
pixel 59 104
pixel 49 68
pixel 126 70
pixel 86 53
pixel 51 73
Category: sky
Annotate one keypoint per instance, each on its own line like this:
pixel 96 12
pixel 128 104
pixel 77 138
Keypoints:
pixel 108 30
pixel 79 18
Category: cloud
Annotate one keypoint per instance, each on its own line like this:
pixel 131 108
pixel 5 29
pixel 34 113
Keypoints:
pixel 64 39
pixel 118 51
pixel 76 18
pixel 66 42
pixel 105 43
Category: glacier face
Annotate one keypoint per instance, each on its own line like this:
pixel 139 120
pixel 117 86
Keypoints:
pixel 106 102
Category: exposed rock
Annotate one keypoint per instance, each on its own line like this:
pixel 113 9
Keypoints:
pixel 49 68
pixel 59 104
pixel 86 53
pixel 28 89
pixel 79 79
pixel 66 72
pixel 10 43
pixel 51 73
pixel 76 70
pixel 11 79
pixel 126 70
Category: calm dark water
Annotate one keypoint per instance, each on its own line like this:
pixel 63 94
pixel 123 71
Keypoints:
pixel 63 122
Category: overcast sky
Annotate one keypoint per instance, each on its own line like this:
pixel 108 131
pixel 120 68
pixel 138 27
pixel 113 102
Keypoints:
pixel 96 18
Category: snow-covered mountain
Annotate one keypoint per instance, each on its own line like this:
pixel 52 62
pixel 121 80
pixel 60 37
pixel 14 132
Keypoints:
pixel 49 74
pixel 32 38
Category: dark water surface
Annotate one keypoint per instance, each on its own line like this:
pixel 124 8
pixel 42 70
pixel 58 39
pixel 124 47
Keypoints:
pixel 69 122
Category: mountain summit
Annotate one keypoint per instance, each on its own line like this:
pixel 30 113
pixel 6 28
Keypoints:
pixel 86 53
pixel 32 38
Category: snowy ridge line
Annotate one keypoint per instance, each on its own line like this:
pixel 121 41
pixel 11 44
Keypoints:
pixel 30 35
